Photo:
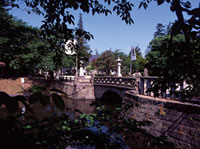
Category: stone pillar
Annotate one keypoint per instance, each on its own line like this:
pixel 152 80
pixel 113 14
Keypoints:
pixel 81 69
pixel 119 67
pixel 145 72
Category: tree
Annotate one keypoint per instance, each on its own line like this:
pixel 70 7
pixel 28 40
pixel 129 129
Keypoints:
pixel 83 50
pixel 22 48
pixel 138 64
pixel 160 30
pixel 58 17
pixel 187 50
pixel 19 45
pixel 170 60
pixel 125 64
pixel 156 56
pixel 168 28
pixel 106 62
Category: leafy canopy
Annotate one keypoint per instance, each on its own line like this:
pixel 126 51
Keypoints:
pixel 106 62
pixel 174 61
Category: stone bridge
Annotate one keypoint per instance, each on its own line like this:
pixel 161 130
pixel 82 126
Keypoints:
pixel 117 86
pixel 178 121
pixel 113 88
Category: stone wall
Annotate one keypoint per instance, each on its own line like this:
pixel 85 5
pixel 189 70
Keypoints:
pixel 180 122
pixel 76 90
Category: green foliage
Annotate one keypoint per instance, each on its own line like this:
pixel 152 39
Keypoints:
pixel 22 48
pixel 156 57
pixel 58 17
pixel 18 44
pixel 83 50
pixel 140 63
pixel 58 101
pixel 106 62
pixel 160 30
pixel 125 61
pixel 108 128
pixel 190 26
pixel 175 61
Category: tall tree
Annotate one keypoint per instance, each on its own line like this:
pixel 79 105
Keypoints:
pixel 19 44
pixel 170 61
pixel 58 18
pixel 168 29
pixel 160 30
pixel 83 49
pixel 106 62
pixel 22 48
pixel 126 58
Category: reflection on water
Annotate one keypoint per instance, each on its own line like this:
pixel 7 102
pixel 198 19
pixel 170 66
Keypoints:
pixel 70 106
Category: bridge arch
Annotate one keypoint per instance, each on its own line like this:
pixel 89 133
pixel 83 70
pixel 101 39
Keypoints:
pixel 115 86
pixel 103 92
pixel 111 97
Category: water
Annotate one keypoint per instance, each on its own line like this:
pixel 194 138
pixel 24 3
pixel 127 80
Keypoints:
pixel 84 107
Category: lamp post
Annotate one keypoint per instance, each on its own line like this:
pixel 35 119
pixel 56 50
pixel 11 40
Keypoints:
pixel 119 67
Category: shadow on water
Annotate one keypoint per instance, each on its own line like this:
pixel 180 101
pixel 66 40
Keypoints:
pixel 85 107
pixel 72 105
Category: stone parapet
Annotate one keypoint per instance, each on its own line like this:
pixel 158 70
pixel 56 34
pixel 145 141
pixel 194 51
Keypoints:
pixel 77 90
pixel 178 121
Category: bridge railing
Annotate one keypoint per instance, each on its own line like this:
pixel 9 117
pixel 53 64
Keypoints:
pixel 146 83
pixel 140 85
pixel 126 82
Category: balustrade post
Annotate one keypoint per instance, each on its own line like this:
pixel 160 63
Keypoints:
pixel 148 86
pixel 141 88
pixel 173 93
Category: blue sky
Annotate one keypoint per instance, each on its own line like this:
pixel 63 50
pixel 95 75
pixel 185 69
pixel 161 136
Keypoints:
pixel 112 33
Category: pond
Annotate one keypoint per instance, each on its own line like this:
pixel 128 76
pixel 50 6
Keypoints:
pixel 139 141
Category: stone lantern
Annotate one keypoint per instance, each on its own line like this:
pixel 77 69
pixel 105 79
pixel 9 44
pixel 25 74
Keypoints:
pixel 81 73
pixel 119 67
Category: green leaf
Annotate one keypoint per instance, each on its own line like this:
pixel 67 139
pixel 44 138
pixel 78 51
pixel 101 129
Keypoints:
pixel 44 100
pixel 76 121
pixel 141 4
pixel 28 127
pixel 59 91
pixel 66 128
pixel 94 115
pixel 186 4
pixel 35 97
pixel 59 102
pixel 20 98
pixel 160 2
pixel 83 116
pixel 12 104
pixel 77 110
pixel 4 97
